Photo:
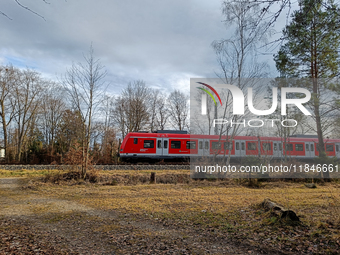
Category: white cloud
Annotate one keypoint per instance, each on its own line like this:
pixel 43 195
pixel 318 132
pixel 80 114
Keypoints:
pixel 164 43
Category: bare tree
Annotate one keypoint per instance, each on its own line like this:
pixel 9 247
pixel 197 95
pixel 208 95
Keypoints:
pixel 132 108
pixel 158 110
pixel 84 83
pixel 107 108
pixel 178 109
pixel 107 130
pixel 52 109
pixel 28 97
pixel 20 4
pixel 9 78
pixel 236 55
pixel 162 112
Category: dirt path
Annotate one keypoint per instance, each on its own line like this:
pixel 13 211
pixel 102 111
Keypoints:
pixel 33 224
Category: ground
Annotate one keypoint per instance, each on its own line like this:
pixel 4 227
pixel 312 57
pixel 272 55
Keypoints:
pixel 194 217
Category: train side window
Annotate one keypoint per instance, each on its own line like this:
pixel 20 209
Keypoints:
pixel 216 145
pixel 175 144
pixel 237 146
pixel 307 147
pixel 275 146
pixel 337 147
pixel 289 147
pixel 298 147
pixel 251 146
pixel 228 146
pixel 165 144
pixel 159 144
pixel 200 145
pixel 312 147
pixel 206 145
pixel 280 146
pixel 329 147
pixel 135 140
pixel 148 143
pixel 267 146
pixel 242 146
pixel 191 145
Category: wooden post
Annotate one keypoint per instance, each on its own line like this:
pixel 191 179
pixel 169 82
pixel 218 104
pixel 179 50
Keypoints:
pixel 153 178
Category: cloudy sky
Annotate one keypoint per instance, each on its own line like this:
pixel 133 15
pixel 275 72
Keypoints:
pixel 164 43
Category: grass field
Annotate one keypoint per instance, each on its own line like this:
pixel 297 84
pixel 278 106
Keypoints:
pixel 220 209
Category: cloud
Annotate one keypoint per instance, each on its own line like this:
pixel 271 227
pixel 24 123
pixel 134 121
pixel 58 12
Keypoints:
pixel 161 42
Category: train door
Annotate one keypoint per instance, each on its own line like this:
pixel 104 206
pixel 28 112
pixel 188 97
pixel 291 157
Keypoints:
pixel 310 150
pixel 239 149
pixel 162 147
pixel 242 148
pixel 200 147
pixel 206 150
pixel 165 146
pixel 337 150
pixel 159 147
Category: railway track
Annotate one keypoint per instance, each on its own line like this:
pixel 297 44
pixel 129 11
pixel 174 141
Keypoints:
pixel 100 167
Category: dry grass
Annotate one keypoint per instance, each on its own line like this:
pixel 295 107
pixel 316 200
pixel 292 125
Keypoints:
pixel 321 204
pixel 26 173
pixel 219 205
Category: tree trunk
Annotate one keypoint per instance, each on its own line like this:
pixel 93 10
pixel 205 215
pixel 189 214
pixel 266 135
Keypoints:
pixel 321 145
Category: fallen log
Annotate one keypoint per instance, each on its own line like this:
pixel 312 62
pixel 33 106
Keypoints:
pixel 279 210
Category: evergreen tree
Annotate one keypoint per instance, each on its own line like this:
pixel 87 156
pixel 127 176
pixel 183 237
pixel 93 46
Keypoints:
pixel 312 41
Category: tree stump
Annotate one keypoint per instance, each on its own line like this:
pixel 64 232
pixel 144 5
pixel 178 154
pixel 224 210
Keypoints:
pixel 153 177
pixel 279 210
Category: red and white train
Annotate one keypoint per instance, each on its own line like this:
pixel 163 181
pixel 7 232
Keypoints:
pixel 174 145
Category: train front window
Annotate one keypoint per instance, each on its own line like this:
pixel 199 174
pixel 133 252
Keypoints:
pixel 267 146
pixel 148 143
pixel 135 140
pixel 298 147
pixel 329 147
pixel 175 144
pixel 191 145
pixel 251 146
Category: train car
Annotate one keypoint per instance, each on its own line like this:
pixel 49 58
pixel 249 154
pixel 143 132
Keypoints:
pixel 179 145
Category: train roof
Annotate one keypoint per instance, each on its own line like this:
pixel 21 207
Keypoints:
pixel 216 137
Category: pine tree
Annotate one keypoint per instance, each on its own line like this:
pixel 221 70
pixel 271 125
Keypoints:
pixel 312 41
